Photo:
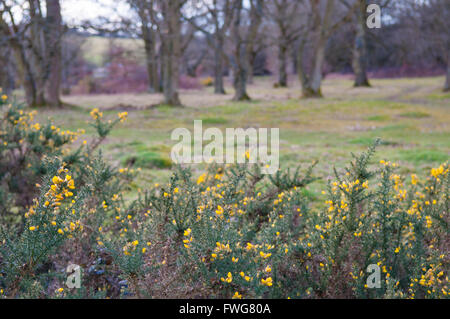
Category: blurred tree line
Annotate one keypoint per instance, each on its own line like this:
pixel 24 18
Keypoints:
pixel 236 38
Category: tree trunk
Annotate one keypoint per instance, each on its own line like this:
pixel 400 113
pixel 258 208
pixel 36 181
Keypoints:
pixel 219 65
pixel 313 86
pixel 256 13
pixel 6 77
pixel 160 65
pixel 282 65
pixel 38 52
pixel 447 78
pixel 192 68
pixel 218 69
pixel 240 59
pixel 150 51
pixel 311 82
pixel 309 92
pixel 240 85
pixel 24 72
pixel 172 54
pixel 250 67
pixel 38 76
pixel 53 41
pixel 152 68
pixel 360 49
pixel 170 81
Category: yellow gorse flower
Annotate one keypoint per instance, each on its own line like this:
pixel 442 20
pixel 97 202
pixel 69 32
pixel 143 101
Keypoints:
pixel 267 282
pixel 228 279
pixel 122 116
pixel 96 114
pixel 264 255
pixel 219 210
pixel 201 178
pixel 237 295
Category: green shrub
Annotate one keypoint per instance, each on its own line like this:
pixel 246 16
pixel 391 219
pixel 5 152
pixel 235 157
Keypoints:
pixel 209 81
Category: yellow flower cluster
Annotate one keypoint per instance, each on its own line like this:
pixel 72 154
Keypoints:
pixel 441 170
pixel 188 238
pixel 60 189
pixel 267 282
pixel 220 251
pixel 130 247
pixel 228 279
pixel 201 178
pixel 96 114
pixel 122 116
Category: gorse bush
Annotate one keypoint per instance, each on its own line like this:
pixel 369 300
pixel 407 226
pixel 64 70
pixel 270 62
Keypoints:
pixel 231 232
pixel 208 81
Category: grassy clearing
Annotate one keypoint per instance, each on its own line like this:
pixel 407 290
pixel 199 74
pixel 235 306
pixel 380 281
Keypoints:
pixel 410 115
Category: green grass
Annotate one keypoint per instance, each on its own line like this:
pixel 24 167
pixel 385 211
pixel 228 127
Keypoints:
pixel 415 115
pixel 423 156
pixel 379 118
pixel 214 120
pixel 367 141
pixel 414 128
pixel 439 96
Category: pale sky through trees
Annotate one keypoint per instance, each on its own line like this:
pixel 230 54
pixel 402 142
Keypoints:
pixel 75 11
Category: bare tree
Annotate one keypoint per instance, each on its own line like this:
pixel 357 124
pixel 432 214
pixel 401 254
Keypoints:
pixel 147 24
pixel 72 60
pixel 35 42
pixel 434 25
pixel 254 39
pixel 421 34
pixel 12 35
pixel 284 14
pixel 447 74
pixel 194 59
pixel 360 52
pixel 165 38
pixel 166 15
pixel 244 37
pixel 239 60
pixel 7 67
pixel 144 9
pixel 359 62
pixel 321 23
pixel 213 19
pixel 53 34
